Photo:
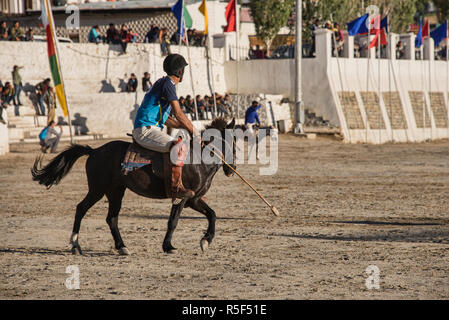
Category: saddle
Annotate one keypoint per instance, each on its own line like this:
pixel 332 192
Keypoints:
pixel 137 157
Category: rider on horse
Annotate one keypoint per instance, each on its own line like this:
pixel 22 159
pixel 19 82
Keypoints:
pixel 154 112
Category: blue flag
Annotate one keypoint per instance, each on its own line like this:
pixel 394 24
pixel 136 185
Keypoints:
pixel 418 40
pixel 383 24
pixel 440 33
pixel 355 25
pixel 178 12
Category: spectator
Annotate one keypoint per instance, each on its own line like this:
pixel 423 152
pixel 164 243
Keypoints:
pixel 182 104
pixel 3 31
pixel 315 26
pixel 49 138
pixel 400 50
pixel 221 110
pixel 152 35
pixel 15 33
pixel 132 83
pixel 8 93
pixel 3 105
pixel 163 40
pixel 112 35
pixel 190 106
pixel 124 38
pixel 227 104
pixel 258 53
pixel 41 91
pixel 251 116
pixel 146 82
pixel 29 36
pixel 175 38
pixel 94 36
pixel 132 36
pixel 339 40
pixel 200 106
pixel 17 81
pixel 50 100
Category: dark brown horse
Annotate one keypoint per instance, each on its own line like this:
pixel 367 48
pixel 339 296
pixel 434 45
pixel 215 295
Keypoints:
pixel 105 177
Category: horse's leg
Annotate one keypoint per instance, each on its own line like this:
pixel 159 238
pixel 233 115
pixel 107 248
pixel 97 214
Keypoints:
pixel 202 207
pixel 81 209
pixel 115 203
pixel 176 210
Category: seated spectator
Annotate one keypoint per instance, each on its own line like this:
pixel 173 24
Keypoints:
pixel 132 36
pixel 112 35
pixel 221 109
pixel 200 106
pixel 15 33
pixel 182 104
pixel 29 36
pixel 49 137
pixel 3 31
pixel 175 38
pixel 8 93
pixel 132 83
pixel 190 106
pixel 124 38
pixel 227 104
pixel 94 36
pixel 146 82
pixel 152 35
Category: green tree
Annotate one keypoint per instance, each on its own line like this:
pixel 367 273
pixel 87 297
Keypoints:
pixel 269 17
pixel 442 9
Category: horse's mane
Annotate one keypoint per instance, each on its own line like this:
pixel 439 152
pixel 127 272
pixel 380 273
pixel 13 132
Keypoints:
pixel 218 123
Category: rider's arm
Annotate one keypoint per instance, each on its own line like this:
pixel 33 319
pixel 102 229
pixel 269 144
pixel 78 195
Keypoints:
pixel 173 123
pixel 182 118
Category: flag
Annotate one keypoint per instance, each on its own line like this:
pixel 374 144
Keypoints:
pixel 182 16
pixel 383 24
pixel 426 30
pixel 383 39
pixel 373 42
pixel 418 40
pixel 357 24
pixel 47 21
pixel 230 17
pixel 203 9
pixel 440 33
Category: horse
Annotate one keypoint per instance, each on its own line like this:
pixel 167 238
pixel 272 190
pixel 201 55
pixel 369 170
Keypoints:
pixel 105 177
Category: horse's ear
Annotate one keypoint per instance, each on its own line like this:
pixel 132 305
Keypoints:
pixel 231 124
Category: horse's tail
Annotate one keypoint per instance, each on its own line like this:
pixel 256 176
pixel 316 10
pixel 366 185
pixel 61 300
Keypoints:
pixel 59 167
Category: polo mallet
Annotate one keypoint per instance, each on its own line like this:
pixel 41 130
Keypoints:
pixel 273 209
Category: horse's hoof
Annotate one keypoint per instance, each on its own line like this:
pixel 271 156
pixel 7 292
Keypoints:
pixel 204 244
pixel 172 251
pixel 124 251
pixel 76 250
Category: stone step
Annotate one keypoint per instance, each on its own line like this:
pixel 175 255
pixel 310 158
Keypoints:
pixel 25 110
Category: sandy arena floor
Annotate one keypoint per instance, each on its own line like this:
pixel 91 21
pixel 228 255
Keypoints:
pixel 343 208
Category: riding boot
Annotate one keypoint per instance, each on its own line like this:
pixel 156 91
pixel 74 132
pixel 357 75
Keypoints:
pixel 177 189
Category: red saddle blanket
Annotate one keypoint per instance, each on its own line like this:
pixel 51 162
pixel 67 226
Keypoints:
pixel 137 157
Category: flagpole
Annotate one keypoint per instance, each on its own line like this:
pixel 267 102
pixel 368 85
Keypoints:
pixel 430 86
pixel 367 78
pixel 423 94
pixel 209 48
pixel 181 26
pixel 447 77
pixel 389 83
pixel 237 30
pixel 53 32
pixel 190 65
pixel 378 70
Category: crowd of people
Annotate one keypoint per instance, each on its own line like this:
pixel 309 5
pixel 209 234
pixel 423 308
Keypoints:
pixel 156 34
pixel 205 106
pixel 14 32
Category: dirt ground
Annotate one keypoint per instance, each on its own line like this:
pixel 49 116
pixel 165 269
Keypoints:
pixel 343 208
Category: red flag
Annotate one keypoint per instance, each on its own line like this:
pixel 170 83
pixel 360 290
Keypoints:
pixel 383 39
pixel 230 17
pixel 426 30
pixel 376 29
